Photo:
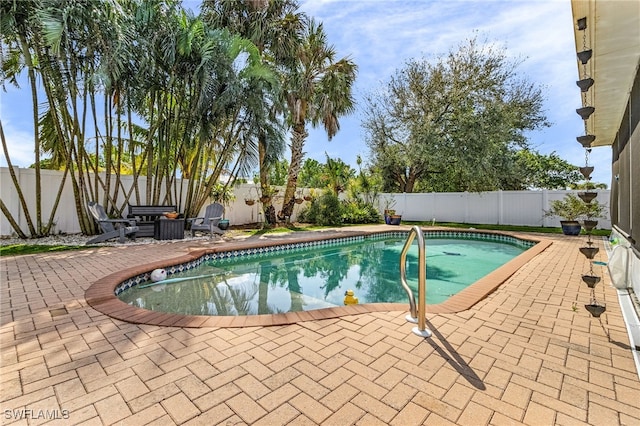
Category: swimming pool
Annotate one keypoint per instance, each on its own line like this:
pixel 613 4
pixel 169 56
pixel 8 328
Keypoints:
pixel 316 276
pixel 102 294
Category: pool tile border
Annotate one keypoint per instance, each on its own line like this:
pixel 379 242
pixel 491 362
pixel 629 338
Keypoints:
pixel 102 294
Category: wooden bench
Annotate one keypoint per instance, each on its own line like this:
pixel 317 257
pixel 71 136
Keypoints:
pixel 146 216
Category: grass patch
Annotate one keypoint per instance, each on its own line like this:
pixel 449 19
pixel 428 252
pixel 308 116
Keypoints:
pixel 285 229
pixel 512 228
pixel 21 249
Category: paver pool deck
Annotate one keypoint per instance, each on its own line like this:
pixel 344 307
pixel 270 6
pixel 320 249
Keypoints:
pixel 522 355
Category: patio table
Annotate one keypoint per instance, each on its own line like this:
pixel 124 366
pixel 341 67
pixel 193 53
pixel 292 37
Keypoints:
pixel 168 229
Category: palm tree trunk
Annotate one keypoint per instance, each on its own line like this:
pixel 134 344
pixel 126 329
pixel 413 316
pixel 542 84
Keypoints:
pixel 24 47
pixel 295 292
pixel 263 287
pixel 298 136
pixel 269 210
pixel 56 202
pixel 12 221
pixel 108 151
pixel 14 179
pixel 36 133
pixel 119 151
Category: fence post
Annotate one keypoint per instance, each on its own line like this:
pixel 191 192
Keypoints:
pixel 466 207
pixel 545 205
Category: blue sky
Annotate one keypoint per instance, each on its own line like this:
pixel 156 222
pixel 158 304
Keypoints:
pixel 381 35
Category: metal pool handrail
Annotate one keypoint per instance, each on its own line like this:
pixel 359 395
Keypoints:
pixel 416 314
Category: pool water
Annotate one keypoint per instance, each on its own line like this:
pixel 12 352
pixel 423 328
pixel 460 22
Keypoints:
pixel 318 277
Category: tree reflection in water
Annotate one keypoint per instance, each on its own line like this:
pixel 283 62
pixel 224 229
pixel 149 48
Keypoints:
pixel 300 280
pixel 200 296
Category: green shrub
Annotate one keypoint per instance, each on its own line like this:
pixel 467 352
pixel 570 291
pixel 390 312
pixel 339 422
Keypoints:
pixel 303 215
pixel 357 211
pixel 325 210
pixel 328 210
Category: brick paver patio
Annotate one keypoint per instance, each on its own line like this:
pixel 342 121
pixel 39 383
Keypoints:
pixel 523 355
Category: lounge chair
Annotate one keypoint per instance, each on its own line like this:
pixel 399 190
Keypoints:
pixel 111 228
pixel 208 223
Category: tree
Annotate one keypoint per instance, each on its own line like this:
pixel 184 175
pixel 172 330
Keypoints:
pixel 451 125
pixel 366 185
pixel 311 174
pixel 337 174
pixel 317 89
pixel 197 93
pixel 539 171
pixel 18 32
pixel 275 27
pixel 278 173
pixel 62 42
pixel 588 185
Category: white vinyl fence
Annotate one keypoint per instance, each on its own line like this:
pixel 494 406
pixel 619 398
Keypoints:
pixel 524 208
pixel 501 207
pixel 66 219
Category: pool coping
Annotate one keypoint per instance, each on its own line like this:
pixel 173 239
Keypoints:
pixel 101 294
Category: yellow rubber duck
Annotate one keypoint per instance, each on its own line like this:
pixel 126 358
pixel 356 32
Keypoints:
pixel 349 298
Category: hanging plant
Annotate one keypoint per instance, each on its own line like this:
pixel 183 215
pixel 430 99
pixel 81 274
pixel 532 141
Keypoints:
pixel 268 194
pixel 313 194
pixel 249 199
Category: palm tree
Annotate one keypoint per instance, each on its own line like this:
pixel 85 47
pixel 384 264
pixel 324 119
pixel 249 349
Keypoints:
pixel 62 42
pixel 18 32
pixel 78 39
pixel 337 174
pixel 196 93
pixel 275 27
pixel 317 90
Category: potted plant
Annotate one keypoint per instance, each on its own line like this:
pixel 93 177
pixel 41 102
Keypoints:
pixel 571 209
pixel 389 211
pixel 387 215
pixel 395 219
